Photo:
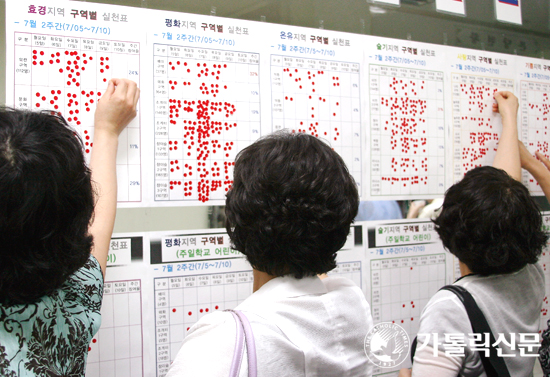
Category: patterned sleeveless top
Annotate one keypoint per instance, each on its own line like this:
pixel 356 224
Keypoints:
pixel 51 337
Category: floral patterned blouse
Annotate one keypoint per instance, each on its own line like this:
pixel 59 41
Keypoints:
pixel 51 337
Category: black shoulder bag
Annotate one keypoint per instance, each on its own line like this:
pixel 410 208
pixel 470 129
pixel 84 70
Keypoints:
pixel 494 366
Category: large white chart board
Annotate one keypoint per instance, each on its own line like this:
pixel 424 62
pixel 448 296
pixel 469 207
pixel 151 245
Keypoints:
pixel 409 119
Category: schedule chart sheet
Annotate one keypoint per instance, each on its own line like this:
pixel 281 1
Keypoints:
pixel 534 91
pixel 407 120
pixel 475 78
pixel 407 265
pixel 60 58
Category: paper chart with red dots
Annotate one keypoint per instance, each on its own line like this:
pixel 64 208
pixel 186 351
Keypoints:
pixel 320 98
pixel 535 124
pixel 476 128
pixel 407 136
pixel 405 265
pixel 180 301
pixel 117 349
pixel 401 288
pixel 207 108
pixel 68 75
pixel 197 285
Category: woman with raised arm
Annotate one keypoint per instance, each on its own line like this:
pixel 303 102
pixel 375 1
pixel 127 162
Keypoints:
pixel 55 230
pixel 492 225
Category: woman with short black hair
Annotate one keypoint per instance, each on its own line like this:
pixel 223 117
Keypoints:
pixel 289 211
pixel 492 225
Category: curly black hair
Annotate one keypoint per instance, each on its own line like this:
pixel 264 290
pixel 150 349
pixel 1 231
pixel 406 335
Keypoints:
pixel 46 204
pixel 490 223
pixel 291 205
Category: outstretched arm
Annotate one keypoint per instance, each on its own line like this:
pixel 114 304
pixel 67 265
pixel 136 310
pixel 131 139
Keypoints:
pixel 540 170
pixel 507 156
pixel 115 109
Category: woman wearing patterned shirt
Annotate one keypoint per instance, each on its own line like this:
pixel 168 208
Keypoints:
pixel 54 233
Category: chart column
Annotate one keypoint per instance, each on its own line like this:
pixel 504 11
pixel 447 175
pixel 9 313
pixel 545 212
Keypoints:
pixel 535 110
pixel 116 350
pixel 320 98
pixel 162 164
pixel 162 326
pixel 375 132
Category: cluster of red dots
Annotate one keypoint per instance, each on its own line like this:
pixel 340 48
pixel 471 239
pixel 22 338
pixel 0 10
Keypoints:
pixel 405 164
pixel 542 111
pixel 406 114
pixel 479 97
pixel 412 305
pixel 481 121
pixel 403 321
pixel 87 143
pixel 482 138
pixel 413 180
pixel 201 71
pixel 477 149
pixel 202 124
pixel 94 341
pixel 543 108
pixel 542 147
pixel 401 88
pixel 201 310
pixel 480 100
pixel 72 64
pixel 296 74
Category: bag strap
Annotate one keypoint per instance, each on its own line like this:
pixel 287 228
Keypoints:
pixel 244 333
pixel 494 366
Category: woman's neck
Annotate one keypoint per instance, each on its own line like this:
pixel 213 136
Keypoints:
pixel 464 270
pixel 260 278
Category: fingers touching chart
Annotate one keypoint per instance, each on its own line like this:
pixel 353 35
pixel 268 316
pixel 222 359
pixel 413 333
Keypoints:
pixel 476 126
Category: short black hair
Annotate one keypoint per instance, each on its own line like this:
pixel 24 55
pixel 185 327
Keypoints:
pixel 46 204
pixel 490 222
pixel 291 205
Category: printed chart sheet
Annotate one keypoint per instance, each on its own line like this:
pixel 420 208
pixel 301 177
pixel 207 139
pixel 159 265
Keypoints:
pixel 56 63
pixel 407 115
